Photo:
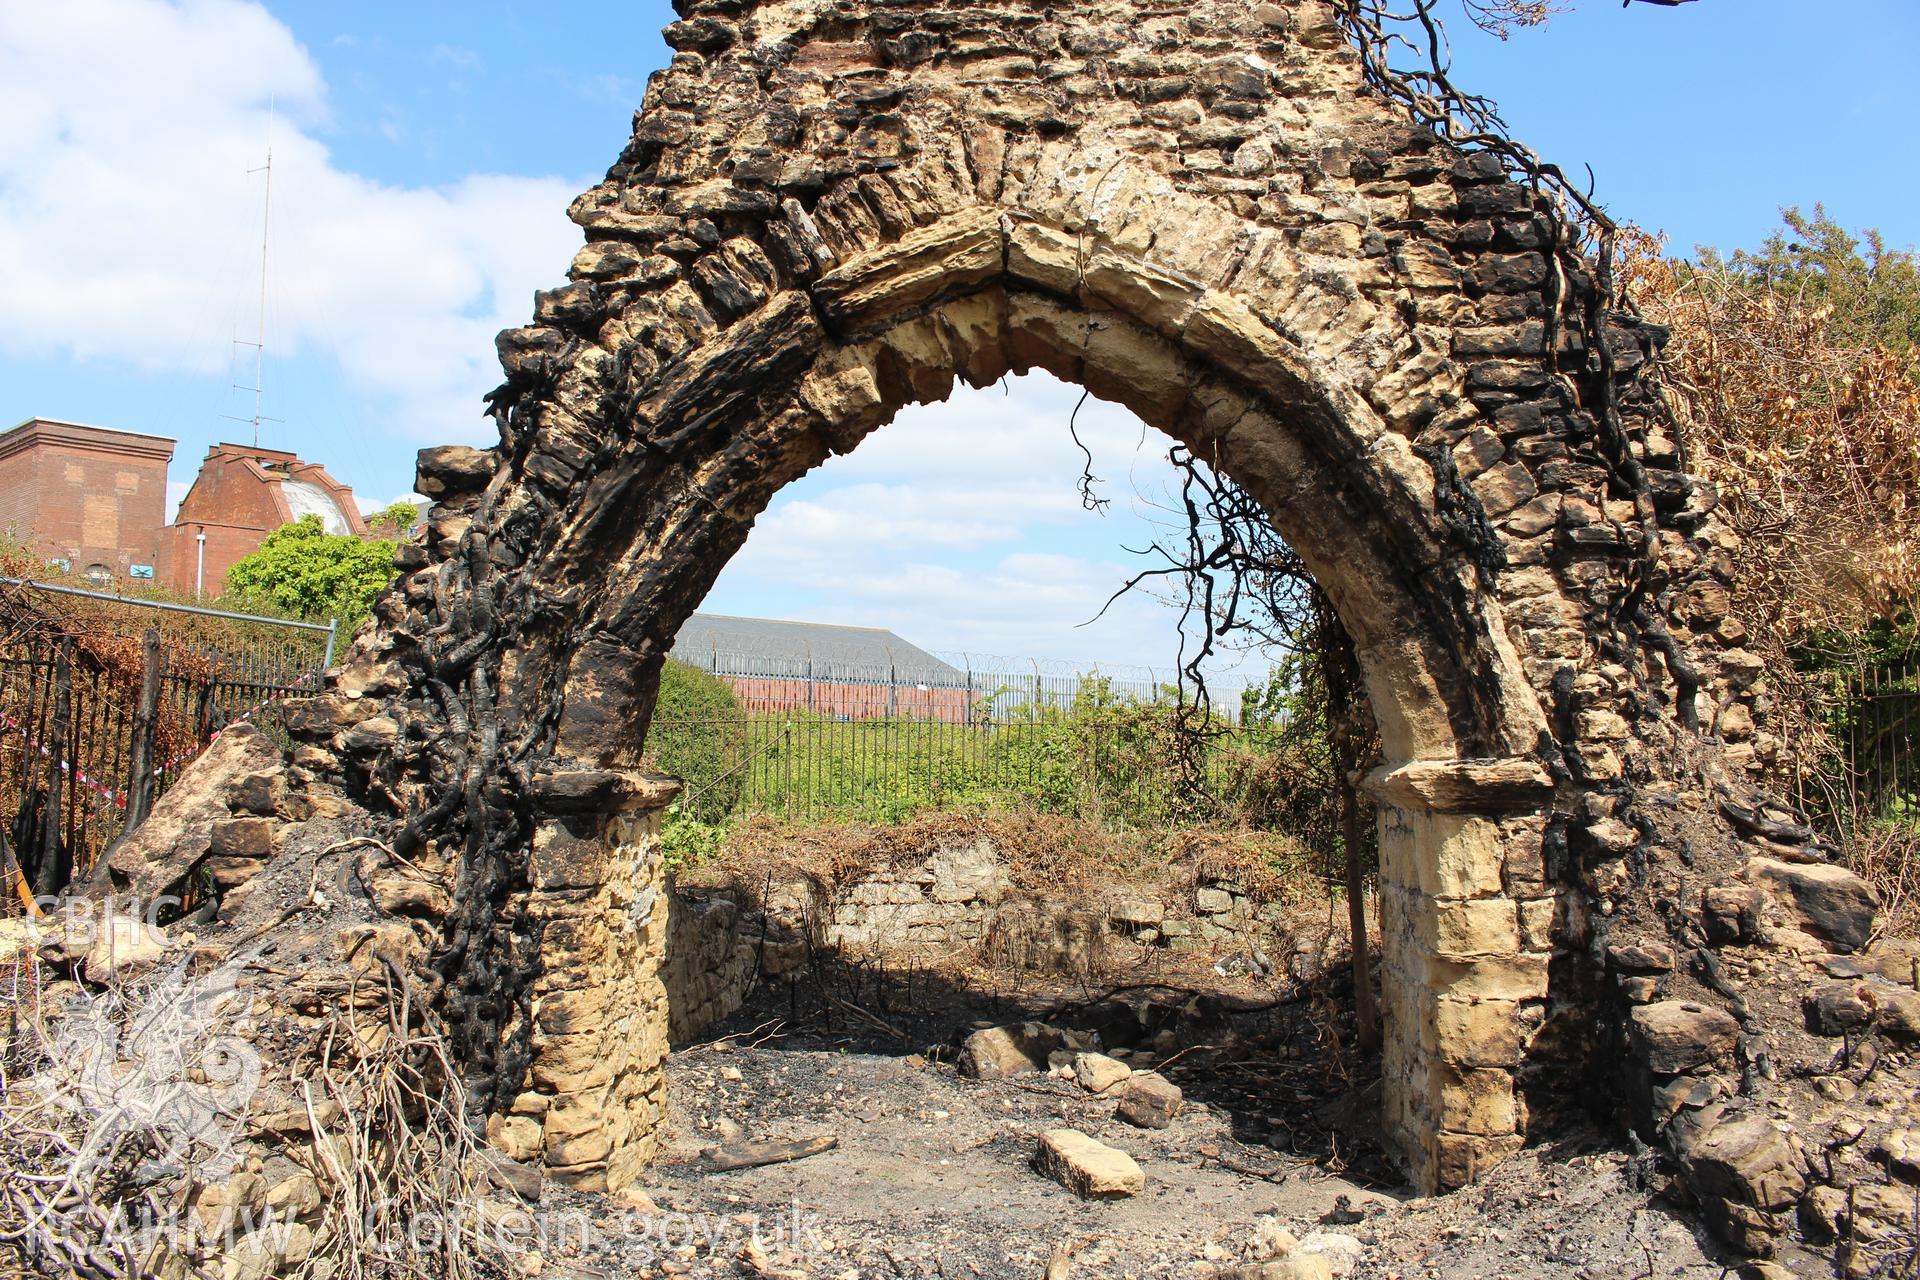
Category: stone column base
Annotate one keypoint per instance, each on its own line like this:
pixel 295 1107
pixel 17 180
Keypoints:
pixel 595 1094
pixel 1466 928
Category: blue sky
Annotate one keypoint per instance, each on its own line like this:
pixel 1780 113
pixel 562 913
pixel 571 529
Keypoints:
pixel 424 154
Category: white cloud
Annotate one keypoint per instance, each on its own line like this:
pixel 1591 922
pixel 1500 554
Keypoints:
pixel 130 228
pixel 960 527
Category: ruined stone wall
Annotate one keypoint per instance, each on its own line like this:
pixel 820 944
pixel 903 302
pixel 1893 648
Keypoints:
pixel 725 935
pixel 594 1088
pixel 830 210
pixel 718 950
pixel 827 213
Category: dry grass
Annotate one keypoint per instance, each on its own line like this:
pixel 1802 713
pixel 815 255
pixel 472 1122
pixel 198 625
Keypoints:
pixel 131 1112
pixel 1043 853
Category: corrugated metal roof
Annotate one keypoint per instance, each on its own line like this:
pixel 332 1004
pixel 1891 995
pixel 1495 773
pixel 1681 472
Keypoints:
pixel 793 644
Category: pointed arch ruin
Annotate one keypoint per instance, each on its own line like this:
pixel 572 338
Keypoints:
pixel 832 209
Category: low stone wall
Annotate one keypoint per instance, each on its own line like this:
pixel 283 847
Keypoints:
pixel 949 898
pixel 724 935
pixel 717 949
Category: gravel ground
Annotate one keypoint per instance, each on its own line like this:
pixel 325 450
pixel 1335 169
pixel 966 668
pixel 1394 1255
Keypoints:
pixel 932 1176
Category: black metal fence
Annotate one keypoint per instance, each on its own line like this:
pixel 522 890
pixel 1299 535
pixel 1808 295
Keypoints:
pixel 1879 736
pixel 104 701
pixel 1111 770
pixel 959 688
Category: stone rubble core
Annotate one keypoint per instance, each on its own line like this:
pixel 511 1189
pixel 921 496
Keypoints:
pixel 832 209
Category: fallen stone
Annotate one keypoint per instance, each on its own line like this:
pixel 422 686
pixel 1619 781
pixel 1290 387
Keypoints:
pixel 1091 1170
pixel 1642 990
pixel 1297 1266
pixel 998 1052
pixel 1829 902
pixel 1636 958
pixel 1882 1211
pixel 1098 1073
pixel 1838 1008
pixel 125 948
pixel 1747 1162
pixel 1901 1152
pixel 1149 1100
pixel 1672 1036
pixel 1270 1240
pixel 1898 1013
pixel 22 935
pixel 297 1196
pixel 156 858
pixel 1731 912
pixel 258 1255
pixel 508 1174
pixel 1342 1252
pixel 243 837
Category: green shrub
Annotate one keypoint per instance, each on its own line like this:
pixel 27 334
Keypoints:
pixel 699 734
pixel 303 571
pixel 687 842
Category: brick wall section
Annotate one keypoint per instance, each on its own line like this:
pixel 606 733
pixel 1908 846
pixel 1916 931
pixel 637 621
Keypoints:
pixel 851 701
pixel 227 544
pixel 87 495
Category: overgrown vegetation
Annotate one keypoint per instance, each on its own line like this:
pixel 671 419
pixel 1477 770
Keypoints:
pixel 1796 388
pixel 1070 790
pixel 699 733
pixel 1104 757
pixel 1042 852
pixel 302 571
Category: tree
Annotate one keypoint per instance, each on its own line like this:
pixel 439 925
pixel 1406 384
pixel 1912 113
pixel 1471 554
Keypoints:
pixel 1500 16
pixel 1870 294
pixel 303 570
pixel 395 519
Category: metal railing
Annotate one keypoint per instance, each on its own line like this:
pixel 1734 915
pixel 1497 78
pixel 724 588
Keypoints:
pixel 104 701
pixel 1879 736
pixel 958 688
pixel 799 767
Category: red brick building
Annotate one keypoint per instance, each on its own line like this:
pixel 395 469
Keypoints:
pixel 92 498
pixel 242 494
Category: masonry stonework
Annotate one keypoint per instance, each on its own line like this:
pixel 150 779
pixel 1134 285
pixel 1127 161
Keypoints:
pixel 832 209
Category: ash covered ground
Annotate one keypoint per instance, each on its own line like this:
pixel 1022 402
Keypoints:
pixel 933 1174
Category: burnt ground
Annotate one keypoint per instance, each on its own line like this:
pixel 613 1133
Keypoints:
pixel 932 1177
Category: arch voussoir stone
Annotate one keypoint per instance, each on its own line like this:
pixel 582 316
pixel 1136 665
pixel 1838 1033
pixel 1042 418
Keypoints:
pixel 832 209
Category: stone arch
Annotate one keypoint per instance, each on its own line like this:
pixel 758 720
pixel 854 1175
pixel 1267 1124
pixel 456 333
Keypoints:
pixel 1350 494
pixel 828 211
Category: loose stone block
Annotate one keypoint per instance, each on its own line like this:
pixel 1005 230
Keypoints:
pixel 1097 1073
pixel 1830 902
pixel 1673 1036
pixel 1089 1169
pixel 1149 1100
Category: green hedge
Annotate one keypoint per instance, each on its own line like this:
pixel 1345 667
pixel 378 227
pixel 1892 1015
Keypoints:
pixel 699 733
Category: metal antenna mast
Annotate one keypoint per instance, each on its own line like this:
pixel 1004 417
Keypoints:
pixel 259 344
